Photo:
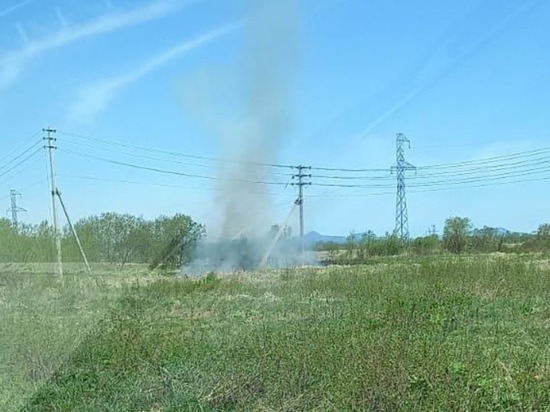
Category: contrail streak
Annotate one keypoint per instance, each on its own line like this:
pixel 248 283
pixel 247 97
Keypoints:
pixel 448 64
pixel 15 7
pixel 95 98
pixel 12 63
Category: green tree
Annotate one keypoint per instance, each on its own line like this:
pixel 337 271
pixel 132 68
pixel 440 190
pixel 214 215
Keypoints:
pixel 456 233
pixel 426 245
pixel 543 236
pixel 391 245
pixel 174 240
pixel 113 237
pixel 368 239
pixel 350 247
pixel 34 242
pixel 8 237
pixel 487 239
pixel 123 238
pixel 543 231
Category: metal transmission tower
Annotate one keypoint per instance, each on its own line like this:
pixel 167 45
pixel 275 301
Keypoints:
pixel 15 210
pixel 401 216
pixel 300 201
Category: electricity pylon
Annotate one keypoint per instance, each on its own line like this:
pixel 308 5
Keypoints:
pixel 401 168
pixel 15 209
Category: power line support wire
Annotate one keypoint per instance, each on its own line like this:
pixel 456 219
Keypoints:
pixel 84 258
pixel 401 168
pixel 50 140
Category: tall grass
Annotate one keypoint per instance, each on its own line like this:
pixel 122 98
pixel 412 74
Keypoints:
pixel 43 320
pixel 423 334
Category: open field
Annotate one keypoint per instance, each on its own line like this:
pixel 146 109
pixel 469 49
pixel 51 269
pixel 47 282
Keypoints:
pixel 399 334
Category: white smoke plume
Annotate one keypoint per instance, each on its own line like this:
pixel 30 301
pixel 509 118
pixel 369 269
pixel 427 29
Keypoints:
pixel 268 65
pixel 250 135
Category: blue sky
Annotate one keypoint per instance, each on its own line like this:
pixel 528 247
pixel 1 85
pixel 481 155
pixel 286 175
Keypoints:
pixel 463 80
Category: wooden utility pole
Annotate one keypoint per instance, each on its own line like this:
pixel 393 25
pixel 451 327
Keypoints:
pixel 300 201
pixel 50 141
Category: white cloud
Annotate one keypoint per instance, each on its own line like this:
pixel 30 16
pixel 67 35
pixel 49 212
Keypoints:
pixel 61 17
pixel 13 62
pixel 8 74
pixel 95 98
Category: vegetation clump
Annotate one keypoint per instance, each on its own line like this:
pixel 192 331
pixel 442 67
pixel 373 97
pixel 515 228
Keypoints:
pixel 408 334
pixel 119 239
pixel 459 237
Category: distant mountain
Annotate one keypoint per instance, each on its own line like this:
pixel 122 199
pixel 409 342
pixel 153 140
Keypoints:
pixel 312 238
pixel 500 231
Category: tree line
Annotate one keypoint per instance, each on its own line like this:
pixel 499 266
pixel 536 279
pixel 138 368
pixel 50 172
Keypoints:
pixel 114 238
pixel 170 242
pixel 459 237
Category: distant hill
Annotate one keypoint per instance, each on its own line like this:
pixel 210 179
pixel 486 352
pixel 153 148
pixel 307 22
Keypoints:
pixel 500 231
pixel 312 238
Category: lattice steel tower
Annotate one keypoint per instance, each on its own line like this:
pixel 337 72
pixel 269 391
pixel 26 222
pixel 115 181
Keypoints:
pixel 15 209
pixel 401 216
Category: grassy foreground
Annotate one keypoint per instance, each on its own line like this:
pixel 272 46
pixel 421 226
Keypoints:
pixel 446 334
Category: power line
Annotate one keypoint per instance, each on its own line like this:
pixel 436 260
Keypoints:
pixel 21 162
pixel 486 160
pixel 20 155
pixel 481 172
pixel 157 158
pixel 135 182
pixel 440 189
pixel 484 172
pixel 173 153
pixel 487 169
pixel 165 171
pixel 486 177
pixel 500 176
pixel 13 175
pixel 479 162
pixel 385 177
pixel 485 166
pixel 330 169
pixel 524 166
pixel 30 186
pixel 18 148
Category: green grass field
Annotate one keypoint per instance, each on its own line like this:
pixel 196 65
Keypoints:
pixel 399 334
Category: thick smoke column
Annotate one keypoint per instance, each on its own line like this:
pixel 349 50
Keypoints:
pixel 260 119
pixel 268 65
